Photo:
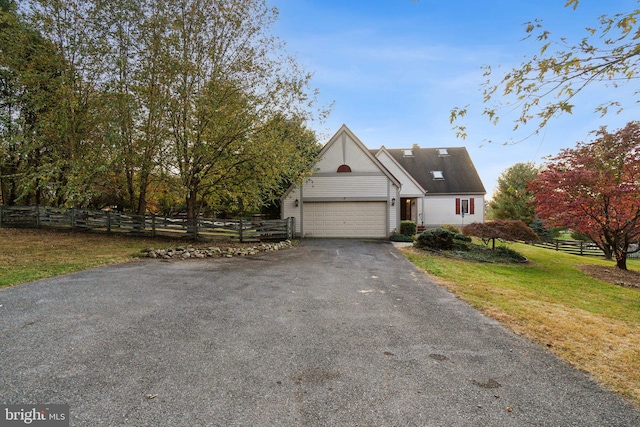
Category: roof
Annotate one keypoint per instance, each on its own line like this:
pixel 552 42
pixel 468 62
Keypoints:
pixel 459 173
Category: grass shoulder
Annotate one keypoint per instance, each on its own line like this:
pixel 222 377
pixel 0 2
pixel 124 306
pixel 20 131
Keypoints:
pixel 552 299
pixel 27 255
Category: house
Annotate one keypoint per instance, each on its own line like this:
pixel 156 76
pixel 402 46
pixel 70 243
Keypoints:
pixel 356 192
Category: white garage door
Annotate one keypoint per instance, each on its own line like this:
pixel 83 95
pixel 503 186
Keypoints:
pixel 345 219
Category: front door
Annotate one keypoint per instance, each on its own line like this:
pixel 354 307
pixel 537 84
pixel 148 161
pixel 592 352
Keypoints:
pixel 408 211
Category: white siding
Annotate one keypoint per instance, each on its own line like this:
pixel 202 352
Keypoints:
pixel 289 209
pixel 394 211
pixel 345 151
pixel 409 188
pixel 346 185
pixel 441 210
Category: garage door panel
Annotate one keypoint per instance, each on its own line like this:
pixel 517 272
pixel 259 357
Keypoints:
pixel 345 219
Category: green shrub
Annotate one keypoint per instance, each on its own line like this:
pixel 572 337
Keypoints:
pixel 576 235
pixel 408 228
pixel 401 238
pixel 451 227
pixel 462 238
pixel 507 254
pixel 437 238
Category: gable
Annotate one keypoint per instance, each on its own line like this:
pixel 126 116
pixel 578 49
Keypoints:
pixel 410 187
pixel 345 149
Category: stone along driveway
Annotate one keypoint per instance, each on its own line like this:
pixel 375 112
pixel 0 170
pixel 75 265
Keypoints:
pixel 340 333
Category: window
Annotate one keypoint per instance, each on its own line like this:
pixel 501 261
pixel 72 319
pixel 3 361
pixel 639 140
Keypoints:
pixel 437 175
pixel 465 206
pixel 442 152
pixel 344 168
pixel 407 153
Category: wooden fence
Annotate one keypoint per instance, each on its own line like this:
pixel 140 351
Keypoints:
pixel 146 225
pixel 575 247
pixel 578 247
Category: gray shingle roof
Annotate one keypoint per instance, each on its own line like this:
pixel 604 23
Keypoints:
pixel 459 173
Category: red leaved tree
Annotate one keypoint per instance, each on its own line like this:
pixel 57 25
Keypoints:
pixel 500 229
pixel 595 189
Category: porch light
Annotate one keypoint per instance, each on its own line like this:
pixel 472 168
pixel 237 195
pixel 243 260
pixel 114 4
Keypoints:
pixel 393 201
pixel 297 203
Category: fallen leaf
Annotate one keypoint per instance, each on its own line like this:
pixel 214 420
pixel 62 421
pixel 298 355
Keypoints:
pixel 151 396
pixel 366 291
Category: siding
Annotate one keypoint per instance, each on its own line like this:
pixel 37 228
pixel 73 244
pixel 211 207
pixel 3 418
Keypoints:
pixel 345 151
pixel 440 210
pixel 408 187
pixel 346 186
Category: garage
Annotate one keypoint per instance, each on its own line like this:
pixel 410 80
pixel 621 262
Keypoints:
pixel 345 219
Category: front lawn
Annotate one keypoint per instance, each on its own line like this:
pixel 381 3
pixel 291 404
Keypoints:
pixel 590 323
pixel 27 255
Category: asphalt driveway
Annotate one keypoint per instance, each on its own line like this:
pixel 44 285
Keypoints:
pixel 331 333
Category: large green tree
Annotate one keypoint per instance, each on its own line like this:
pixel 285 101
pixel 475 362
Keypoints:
pixel 545 85
pixel 512 200
pixel 30 70
pixel 229 80
pixel 78 164
pixel 153 92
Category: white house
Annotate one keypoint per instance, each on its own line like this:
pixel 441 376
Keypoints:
pixel 357 192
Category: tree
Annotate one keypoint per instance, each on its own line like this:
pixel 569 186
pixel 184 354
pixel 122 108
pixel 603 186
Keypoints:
pixel 30 69
pixel 594 189
pixel 131 38
pixel 78 165
pixel 545 85
pixel 229 79
pixel 500 229
pixel 512 199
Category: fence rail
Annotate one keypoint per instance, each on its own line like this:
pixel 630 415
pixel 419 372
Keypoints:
pixel 575 247
pixel 147 225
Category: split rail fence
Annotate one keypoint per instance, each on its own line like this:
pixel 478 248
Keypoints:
pixel 575 247
pixel 146 225
pixel 579 247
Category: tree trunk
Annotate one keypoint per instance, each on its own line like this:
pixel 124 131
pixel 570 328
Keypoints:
pixel 192 214
pixel 621 262
pixel 142 194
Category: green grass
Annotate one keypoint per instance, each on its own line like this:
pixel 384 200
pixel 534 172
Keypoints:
pixel 592 324
pixel 27 255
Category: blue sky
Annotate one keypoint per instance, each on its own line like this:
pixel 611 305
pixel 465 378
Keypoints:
pixel 394 69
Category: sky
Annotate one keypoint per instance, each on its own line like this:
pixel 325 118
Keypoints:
pixel 394 69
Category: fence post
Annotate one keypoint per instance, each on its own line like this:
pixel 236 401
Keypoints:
pixel 240 230
pixel 108 221
pixel 73 219
pixel 1 209
pixel 557 241
pixel 37 216
pixel 153 225
pixel 580 247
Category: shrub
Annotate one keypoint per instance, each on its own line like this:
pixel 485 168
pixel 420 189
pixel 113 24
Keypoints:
pixel 462 238
pixel 538 227
pixel 408 228
pixel 437 238
pixel 401 238
pixel 451 227
pixel 507 254
pixel 576 235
